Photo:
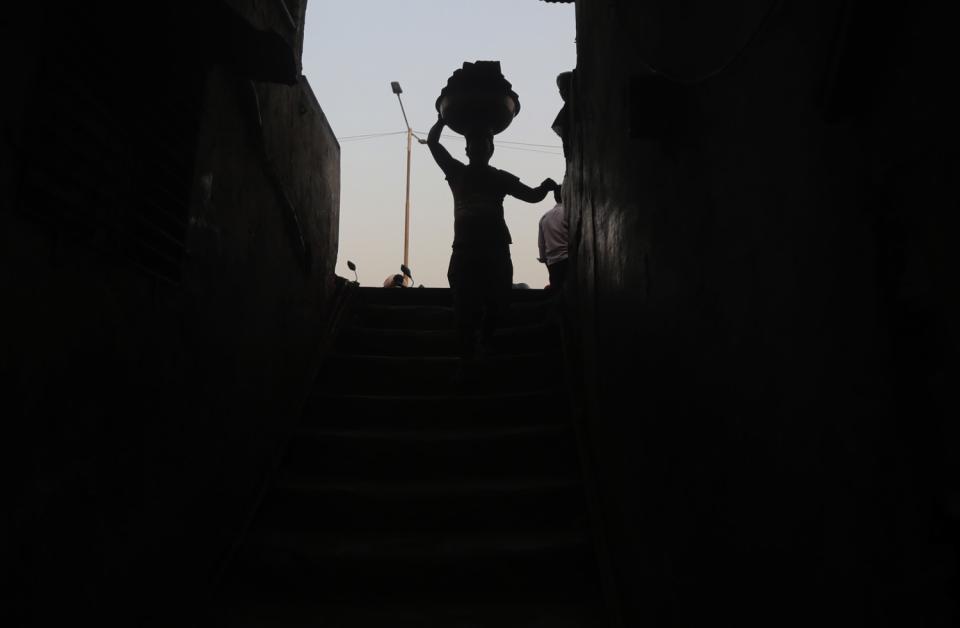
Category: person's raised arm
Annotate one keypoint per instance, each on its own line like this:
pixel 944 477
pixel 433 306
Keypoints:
pixel 529 194
pixel 440 154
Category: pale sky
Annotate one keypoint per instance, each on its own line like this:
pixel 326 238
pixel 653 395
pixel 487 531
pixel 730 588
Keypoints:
pixel 353 49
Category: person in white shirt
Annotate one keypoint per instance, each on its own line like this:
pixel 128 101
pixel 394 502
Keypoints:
pixel 552 242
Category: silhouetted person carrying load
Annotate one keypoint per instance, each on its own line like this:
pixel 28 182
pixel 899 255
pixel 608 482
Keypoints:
pixel 478 103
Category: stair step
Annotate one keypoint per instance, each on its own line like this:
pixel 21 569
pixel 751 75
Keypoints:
pixel 394 296
pixel 432 614
pixel 439 342
pixel 435 548
pixel 412 454
pixel 441 317
pixel 436 296
pixel 370 437
pixel 420 375
pixel 411 490
pixel 482 566
pixel 408 498
pixel 434 411
pixel 297 503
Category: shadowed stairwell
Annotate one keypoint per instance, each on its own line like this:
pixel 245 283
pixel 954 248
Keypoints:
pixel 405 499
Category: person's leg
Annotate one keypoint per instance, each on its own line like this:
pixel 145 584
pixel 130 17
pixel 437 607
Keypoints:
pixel 558 273
pixel 491 317
pixel 499 286
pixel 469 315
pixel 467 304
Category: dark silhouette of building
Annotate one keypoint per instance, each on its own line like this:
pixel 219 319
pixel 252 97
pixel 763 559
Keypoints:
pixel 760 340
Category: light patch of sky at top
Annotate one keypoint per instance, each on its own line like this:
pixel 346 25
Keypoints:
pixel 353 50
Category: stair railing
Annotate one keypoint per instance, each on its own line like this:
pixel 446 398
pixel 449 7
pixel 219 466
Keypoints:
pixel 342 301
pixel 559 319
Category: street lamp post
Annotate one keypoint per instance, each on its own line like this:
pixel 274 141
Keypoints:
pixel 406 216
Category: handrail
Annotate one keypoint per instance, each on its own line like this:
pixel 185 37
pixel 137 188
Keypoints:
pixel 344 293
pixel 557 317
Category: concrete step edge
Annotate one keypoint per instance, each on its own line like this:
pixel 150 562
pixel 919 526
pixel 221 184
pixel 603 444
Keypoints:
pixel 413 546
pixel 433 435
pixel 298 483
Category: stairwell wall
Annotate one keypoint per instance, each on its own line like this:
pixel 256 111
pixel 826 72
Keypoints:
pixel 766 317
pixel 151 371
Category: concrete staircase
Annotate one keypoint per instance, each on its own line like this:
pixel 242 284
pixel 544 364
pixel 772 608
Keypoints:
pixel 409 499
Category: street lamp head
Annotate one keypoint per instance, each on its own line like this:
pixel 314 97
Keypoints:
pixel 395 86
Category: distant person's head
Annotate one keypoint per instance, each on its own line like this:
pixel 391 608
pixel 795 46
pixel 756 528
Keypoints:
pixel 564 83
pixel 393 281
pixel 556 194
pixel 479 148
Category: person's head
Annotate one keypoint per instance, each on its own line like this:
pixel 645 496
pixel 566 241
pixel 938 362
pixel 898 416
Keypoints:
pixel 564 83
pixel 393 281
pixel 479 148
pixel 556 194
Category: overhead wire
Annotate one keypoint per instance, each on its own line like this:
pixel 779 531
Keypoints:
pixel 368 136
pixel 502 142
pixel 521 146
pixel 460 137
pixel 533 150
pixel 557 146
pixel 528 147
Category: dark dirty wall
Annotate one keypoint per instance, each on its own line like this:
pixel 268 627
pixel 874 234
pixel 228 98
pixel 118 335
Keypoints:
pixel 167 271
pixel 767 307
